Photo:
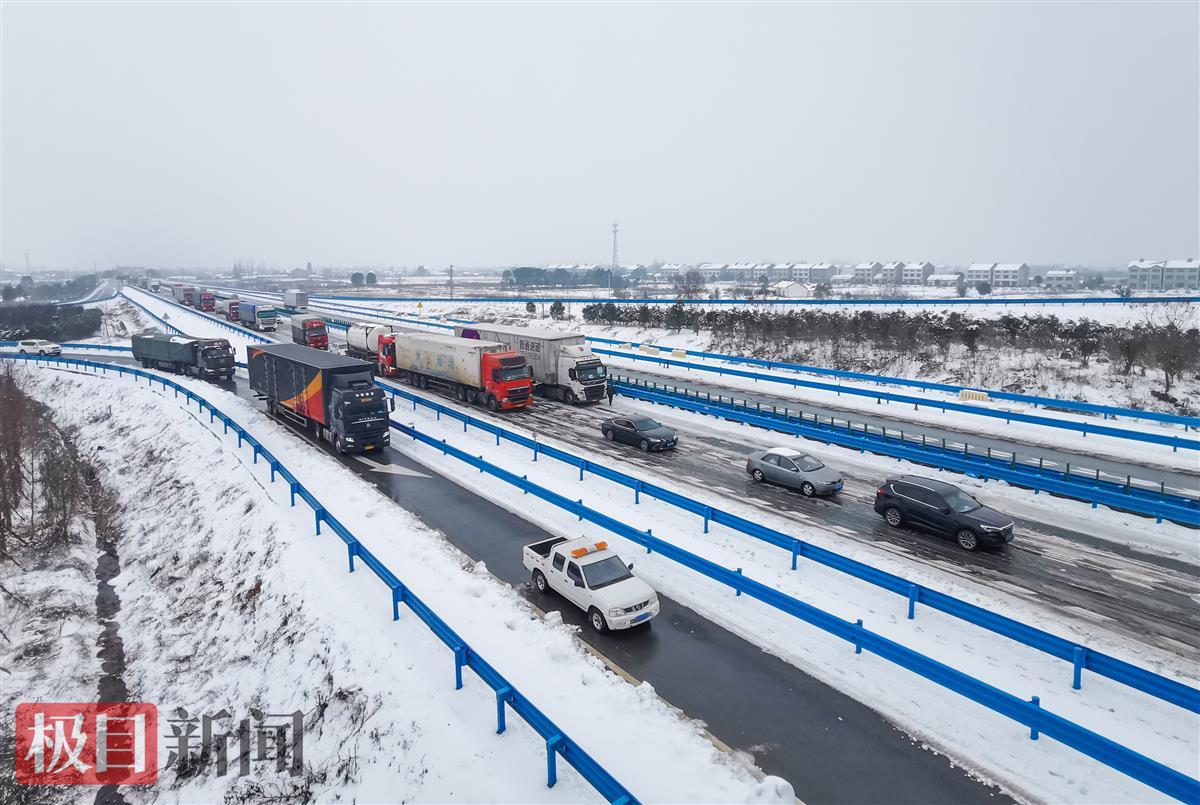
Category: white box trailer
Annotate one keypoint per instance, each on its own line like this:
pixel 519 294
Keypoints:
pixel 564 366
pixel 295 301
pixel 445 356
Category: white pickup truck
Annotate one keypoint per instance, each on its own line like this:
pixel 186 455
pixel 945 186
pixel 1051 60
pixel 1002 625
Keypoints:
pixel 592 578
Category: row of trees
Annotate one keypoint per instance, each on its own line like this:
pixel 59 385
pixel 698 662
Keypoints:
pixel 27 288
pixel 530 277
pixel 1167 339
pixel 51 322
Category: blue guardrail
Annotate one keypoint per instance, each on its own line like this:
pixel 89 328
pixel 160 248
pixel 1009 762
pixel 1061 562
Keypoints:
pixel 558 743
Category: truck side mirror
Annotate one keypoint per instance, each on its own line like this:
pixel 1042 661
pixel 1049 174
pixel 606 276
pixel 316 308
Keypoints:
pixel 631 565
pixel 392 404
pixel 578 583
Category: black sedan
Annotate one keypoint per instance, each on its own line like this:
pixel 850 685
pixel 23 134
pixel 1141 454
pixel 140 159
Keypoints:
pixel 639 431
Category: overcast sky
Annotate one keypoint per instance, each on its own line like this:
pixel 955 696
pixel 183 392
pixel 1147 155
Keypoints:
pixel 180 134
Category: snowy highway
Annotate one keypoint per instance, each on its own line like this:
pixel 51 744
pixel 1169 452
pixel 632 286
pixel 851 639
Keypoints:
pixel 1094 582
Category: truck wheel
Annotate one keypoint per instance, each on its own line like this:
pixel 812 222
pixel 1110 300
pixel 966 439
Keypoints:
pixel 539 582
pixel 337 446
pixel 570 398
pixel 461 394
pixel 596 618
pixel 492 404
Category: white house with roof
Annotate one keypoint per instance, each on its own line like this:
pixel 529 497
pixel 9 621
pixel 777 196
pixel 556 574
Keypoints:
pixel 1160 275
pixel 947 280
pixel 1061 280
pixel 1010 275
pixel 742 272
pixel 711 271
pixel 979 272
pixel 916 273
pixel 863 272
pixel 761 270
pixel 813 273
pixel 788 289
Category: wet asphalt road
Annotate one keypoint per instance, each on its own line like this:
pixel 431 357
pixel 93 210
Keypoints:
pixel 1111 469
pixel 1149 598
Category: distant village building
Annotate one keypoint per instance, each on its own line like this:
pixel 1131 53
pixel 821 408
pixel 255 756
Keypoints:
pixel 979 272
pixel 711 271
pixel 1158 275
pixel 1010 275
pixel 1061 280
pixel 916 273
pixel 762 271
pixel 813 273
pixel 742 272
pixel 864 273
pixel 791 290
pixel 845 276
pixel 943 280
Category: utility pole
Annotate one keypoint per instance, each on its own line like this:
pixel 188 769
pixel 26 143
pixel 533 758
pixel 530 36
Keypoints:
pixel 614 262
pixel 451 282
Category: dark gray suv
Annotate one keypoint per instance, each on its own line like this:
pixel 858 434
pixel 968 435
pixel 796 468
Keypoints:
pixel 943 509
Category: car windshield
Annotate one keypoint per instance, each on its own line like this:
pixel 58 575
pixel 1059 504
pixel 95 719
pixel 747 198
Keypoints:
pixel 592 372
pixel 515 372
pixel 807 463
pixel 960 501
pixel 605 572
pixel 644 425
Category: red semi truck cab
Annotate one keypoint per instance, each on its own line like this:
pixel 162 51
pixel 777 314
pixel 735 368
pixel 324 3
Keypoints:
pixel 310 331
pixel 504 377
pixel 207 302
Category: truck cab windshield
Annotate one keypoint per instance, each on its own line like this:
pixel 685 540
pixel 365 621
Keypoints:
pixel 595 372
pixel 515 372
pixel 317 331
pixel 212 353
pixel 605 572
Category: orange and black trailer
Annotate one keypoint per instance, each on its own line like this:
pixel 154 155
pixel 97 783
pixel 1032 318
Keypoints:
pixel 331 395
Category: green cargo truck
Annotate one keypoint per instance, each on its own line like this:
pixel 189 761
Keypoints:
pixel 185 355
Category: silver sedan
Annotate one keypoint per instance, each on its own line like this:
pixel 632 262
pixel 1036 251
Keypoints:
pixel 793 469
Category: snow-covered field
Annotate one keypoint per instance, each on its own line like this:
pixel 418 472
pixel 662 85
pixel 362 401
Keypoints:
pixel 230 601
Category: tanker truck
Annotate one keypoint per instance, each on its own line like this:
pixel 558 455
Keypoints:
pixel 563 365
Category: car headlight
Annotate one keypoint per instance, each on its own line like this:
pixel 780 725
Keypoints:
pixel 616 612
pixel 992 528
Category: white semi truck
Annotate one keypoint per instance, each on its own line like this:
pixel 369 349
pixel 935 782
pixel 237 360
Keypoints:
pixel 564 366
pixel 295 301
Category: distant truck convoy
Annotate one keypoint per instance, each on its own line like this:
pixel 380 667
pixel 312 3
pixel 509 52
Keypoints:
pixel 593 578
pixel 477 372
pixel 563 366
pixel 183 294
pixel 295 301
pixel 185 354
pixel 331 395
pixel 310 331
pixel 228 308
pixel 257 315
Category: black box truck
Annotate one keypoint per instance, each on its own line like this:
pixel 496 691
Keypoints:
pixel 185 354
pixel 329 394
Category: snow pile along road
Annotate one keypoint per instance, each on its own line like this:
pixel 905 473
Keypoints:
pixel 231 602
